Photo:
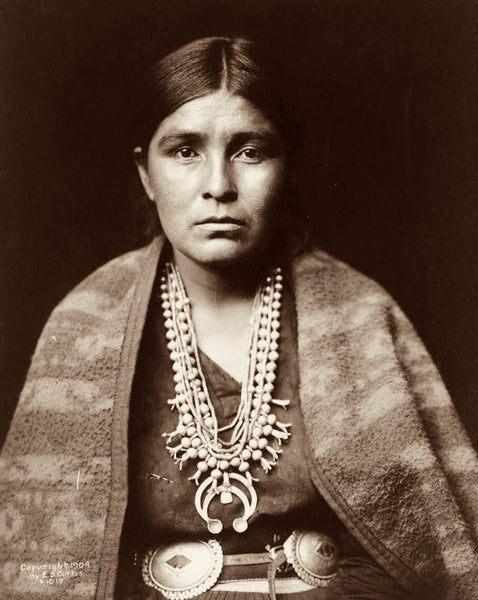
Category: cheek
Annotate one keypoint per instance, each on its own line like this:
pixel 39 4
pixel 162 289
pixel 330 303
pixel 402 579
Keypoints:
pixel 171 192
pixel 265 190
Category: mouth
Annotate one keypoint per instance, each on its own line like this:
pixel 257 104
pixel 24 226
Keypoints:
pixel 220 221
pixel 221 224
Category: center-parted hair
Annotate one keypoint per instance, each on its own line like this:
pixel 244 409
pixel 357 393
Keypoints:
pixel 207 65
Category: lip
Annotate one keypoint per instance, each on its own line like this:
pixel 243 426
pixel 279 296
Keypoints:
pixel 220 224
pixel 220 221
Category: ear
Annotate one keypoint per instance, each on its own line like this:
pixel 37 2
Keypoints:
pixel 142 165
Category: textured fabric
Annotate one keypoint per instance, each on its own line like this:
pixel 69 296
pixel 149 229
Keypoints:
pixel 148 593
pixel 387 450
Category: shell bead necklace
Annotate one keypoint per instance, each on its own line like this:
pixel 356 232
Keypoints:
pixel 255 432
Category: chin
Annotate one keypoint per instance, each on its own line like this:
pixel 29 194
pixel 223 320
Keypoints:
pixel 222 252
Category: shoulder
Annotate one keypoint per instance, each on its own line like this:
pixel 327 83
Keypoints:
pixel 88 326
pixel 327 280
pixel 105 296
pixel 105 290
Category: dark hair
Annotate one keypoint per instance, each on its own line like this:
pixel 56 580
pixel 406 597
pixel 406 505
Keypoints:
pixel 238 65
pixel 209 64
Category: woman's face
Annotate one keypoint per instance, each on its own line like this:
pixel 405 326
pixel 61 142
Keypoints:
pixel 215 170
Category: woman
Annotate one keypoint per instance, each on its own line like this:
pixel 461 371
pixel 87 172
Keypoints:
pixel 227 413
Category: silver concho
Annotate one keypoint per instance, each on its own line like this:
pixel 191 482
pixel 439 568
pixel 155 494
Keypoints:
pixel 313 555
pixel 184 570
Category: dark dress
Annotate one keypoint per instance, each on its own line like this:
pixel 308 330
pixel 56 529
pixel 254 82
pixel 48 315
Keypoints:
pixel 161 503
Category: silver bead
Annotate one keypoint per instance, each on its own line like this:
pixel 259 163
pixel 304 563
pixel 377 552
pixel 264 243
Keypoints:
pixel 193 373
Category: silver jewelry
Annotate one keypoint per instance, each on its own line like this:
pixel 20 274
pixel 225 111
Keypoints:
pixel 313 555
pixel 256 434
pixel 183 570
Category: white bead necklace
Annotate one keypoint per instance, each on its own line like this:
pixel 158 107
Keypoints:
pixel 256 434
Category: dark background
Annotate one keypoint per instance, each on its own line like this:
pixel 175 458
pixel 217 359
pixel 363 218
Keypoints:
pixel 389 92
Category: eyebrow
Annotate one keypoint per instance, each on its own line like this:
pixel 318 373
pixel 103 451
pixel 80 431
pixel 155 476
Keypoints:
pixel 179 137
pixel 265 136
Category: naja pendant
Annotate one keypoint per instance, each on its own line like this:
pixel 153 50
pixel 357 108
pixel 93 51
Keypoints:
pixel 211 487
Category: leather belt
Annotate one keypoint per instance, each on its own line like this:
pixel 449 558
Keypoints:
pixel 183 570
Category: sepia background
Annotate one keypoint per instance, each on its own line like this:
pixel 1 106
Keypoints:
pixel 389 92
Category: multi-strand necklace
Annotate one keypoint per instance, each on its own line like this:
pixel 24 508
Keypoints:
pixel 255 433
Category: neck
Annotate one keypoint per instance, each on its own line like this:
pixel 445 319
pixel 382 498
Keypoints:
pixel 218 284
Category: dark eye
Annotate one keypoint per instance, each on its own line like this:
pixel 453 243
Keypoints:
pixel 251 154
pixel 186 153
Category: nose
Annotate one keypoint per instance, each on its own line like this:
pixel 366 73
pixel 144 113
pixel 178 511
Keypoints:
pixel 219 181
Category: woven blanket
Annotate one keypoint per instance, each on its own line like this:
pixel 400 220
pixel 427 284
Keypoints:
pixel 386 449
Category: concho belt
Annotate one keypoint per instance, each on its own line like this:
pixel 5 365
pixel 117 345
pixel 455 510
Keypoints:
pixel 184 570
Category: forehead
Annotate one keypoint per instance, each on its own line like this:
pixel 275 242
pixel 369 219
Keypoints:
pixel 220 114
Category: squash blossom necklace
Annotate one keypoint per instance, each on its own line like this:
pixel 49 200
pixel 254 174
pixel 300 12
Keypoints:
pixel 223 467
